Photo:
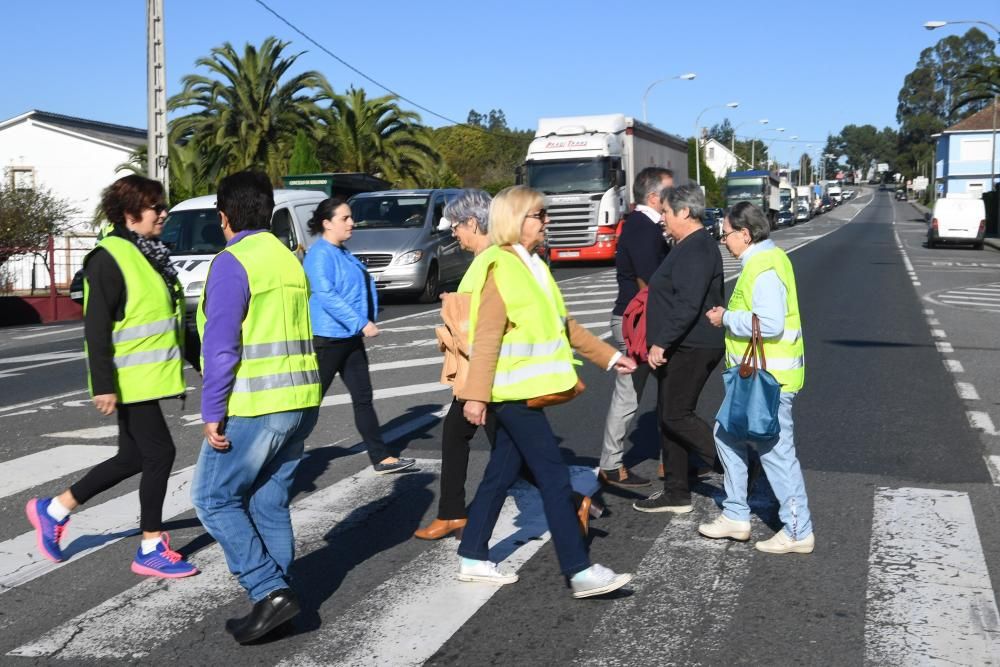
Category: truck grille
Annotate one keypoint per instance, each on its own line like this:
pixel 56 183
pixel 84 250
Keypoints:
pixel 374 261
pixel 571 225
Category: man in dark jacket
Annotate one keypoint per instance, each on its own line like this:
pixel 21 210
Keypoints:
pixel 684 347
pixel 641 249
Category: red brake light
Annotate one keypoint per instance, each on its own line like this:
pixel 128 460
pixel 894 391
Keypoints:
pixel 982 226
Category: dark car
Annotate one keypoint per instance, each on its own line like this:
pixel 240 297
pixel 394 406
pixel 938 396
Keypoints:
pixel 713 222
pixel 900 195
pixel 825 204
pixel 785 217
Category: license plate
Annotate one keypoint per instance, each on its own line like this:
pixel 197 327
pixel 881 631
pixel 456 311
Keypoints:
pixel 569 253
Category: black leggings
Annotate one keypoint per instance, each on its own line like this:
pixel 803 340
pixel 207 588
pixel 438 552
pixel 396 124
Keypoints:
pixel 347 356
pixel 144 445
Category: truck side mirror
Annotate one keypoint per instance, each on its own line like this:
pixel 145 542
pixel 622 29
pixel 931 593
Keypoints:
pixel 444 224
pixel 519 174
pixel 620 180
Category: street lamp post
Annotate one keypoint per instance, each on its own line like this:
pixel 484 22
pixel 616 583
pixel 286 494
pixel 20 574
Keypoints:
pixel 697 135
pixel 683 77
pixel 753 145
pixel 771 129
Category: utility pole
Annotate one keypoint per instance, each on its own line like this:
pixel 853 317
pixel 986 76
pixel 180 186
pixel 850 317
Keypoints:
pixel 156 97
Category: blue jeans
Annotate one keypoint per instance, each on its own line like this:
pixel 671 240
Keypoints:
pixel 781 467
pixel 524 436
pixel 241 495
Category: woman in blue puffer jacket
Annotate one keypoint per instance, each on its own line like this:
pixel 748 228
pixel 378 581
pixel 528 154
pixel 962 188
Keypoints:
pixel 342 306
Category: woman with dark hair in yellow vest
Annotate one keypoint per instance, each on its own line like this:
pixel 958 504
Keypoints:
pixel 133 329
pixel 766 288
pixel 522 347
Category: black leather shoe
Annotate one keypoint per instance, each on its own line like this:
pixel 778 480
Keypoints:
pixel 276 609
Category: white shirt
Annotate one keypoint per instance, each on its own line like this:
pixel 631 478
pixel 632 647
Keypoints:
pixel 651 213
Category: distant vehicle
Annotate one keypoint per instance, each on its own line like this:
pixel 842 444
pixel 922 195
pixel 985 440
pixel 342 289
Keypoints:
pixel 834 192
pixel 193 235
pixel 713 222
pixel 760 187
pixel 847 194
pixel 957 220
pixel 786 217
pixel 803 196
pixel 825 204
pixel 399 237
pixel 586 166
pixel 900 195
pixel 802 214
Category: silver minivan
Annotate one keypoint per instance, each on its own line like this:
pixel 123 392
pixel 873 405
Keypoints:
pixel 399 235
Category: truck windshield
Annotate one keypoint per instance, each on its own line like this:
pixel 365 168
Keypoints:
pixel 193 232
pixel 389 211
pixel 739 190
pixel 569 176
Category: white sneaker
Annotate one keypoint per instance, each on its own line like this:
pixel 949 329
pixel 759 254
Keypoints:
pixel 483 571
pixel 597 580
pixel 723 526
pixel 781 543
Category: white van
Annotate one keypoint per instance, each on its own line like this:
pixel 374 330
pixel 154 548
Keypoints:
pixel 193 233
pixel 957 219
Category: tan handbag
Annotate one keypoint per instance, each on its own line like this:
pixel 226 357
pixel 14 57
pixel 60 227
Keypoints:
pixel 557 398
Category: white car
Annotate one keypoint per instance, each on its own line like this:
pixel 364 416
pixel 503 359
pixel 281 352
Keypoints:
pixel 957 219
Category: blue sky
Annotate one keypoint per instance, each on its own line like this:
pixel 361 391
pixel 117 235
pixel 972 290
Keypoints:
pixel 810 67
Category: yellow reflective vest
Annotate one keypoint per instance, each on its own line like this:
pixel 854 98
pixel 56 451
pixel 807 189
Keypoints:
pixel 146 343
pixel 785 356
pixel 278 370
pixel 535 355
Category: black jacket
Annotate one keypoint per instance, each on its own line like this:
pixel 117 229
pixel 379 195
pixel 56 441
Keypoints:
pixel 687 285
pixel 641 249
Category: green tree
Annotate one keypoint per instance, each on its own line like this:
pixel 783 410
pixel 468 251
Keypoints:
pixel 248 109
pixel 28 217
pixel 303 160
pixel 484 152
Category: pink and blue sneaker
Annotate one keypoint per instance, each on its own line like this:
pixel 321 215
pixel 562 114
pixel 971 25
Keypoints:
pixel 48 531
pixel 162 562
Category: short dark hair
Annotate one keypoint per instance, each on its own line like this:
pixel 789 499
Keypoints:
pixel 247 199
pixel 323 212
pixel 746 215
pixel 648 180
pixel 130 194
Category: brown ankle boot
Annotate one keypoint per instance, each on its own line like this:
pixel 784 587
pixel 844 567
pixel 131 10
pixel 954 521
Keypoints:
pixel 439 528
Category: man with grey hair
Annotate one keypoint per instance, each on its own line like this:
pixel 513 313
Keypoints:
pixel 684 346
pixel 641 248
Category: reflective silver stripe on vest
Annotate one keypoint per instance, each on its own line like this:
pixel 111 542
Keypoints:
pixel 787 336
pixel 284 348
pixel 147 357
pixel 505 378
pixel 144 330
pixel 531 349
pixel 789 364
pixel 276 381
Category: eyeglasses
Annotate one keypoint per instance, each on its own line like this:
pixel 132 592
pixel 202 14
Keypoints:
pixel 159 208
pixel 726 235
pixel 456 225
pixel 541 215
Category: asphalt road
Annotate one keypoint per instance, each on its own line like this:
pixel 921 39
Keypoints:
pixel 893 438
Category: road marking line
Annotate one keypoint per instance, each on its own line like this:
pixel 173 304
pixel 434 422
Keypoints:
pixel 944 347
pixel 48 356
pixel 993 465
pixel 7 371
pixel 96 433
pixel 118 627
pixel 23 473
pixel 587 301
pixel 49 333
pixel 47 399
pixel 389 392
pixel 967 391
pixel 405 363
pixel 954 365
pixel 916 283
pixel 928 311
pixel 418 327
pixel 938 333
pixel 928 601
pixel 982 421
pixel 577 313
pixel 933 321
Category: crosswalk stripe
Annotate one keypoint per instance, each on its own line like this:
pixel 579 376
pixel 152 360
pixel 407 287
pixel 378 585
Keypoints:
pixel 23 473
pixel 389 392
pixel 118 627
pixel 586 301
pixel 95 433
pixel 407 618
pixel 929 597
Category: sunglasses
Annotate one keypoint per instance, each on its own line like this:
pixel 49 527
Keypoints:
pixel 159 208
pixel 542 214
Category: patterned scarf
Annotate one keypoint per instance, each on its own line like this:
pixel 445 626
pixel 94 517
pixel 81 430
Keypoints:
pixel 158 254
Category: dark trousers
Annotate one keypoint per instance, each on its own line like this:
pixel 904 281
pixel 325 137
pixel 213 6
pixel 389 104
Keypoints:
pixel 144 445
pixel 455 443
pixel 347 356
pixel 679 384
pixel 524 436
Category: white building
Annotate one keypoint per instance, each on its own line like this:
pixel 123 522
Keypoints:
pixel 75 158
pixel 719 158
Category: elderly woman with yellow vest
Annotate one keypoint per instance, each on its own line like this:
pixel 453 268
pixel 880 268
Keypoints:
pixel 522 348
pixel 133 329
pixel 765 288
pixel 259 402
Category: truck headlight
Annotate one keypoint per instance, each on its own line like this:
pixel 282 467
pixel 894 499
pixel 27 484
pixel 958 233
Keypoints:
pixel 411 257
pixel 195 287
pixel 605 238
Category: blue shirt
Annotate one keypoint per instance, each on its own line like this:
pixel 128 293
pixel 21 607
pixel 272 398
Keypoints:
pixel 342 296
pixel 769 301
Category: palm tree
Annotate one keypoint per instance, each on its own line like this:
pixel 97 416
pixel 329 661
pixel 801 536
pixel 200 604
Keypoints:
pixel 246 115
pixel 376 136
pixel 978 85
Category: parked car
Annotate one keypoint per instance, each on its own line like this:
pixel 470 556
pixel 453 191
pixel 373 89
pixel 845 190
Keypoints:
pixel 193 234
pixel 802 214
pixel 900 195
pixel 825 204
pixel 957 220
pixel 847 194
pixel 785 217
pixel 713 222
pixel 399 236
